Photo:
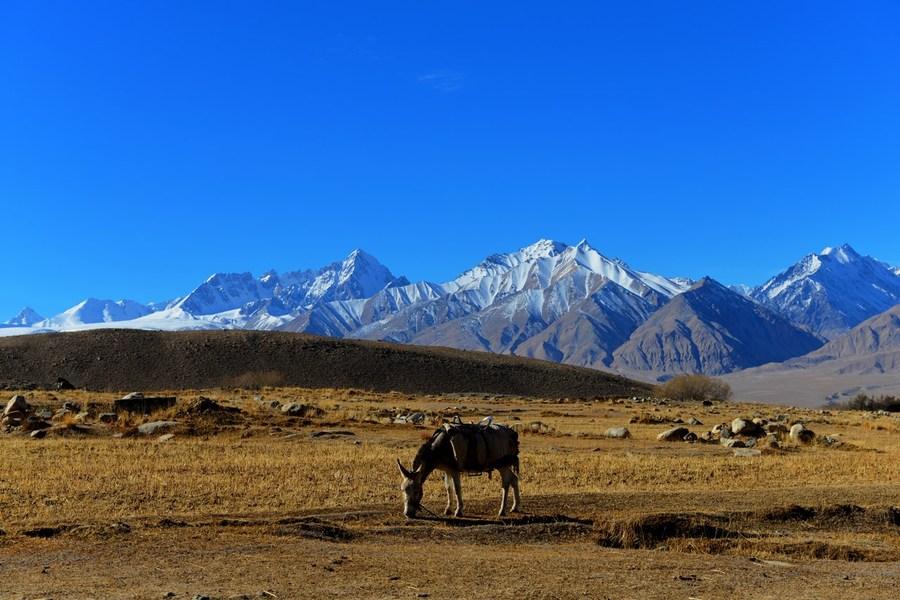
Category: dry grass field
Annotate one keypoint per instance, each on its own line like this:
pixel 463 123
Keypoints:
pixel 258 504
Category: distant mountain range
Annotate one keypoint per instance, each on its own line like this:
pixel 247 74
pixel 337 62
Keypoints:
pixel 550 300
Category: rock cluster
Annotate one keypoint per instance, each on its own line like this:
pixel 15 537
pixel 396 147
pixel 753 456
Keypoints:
pixel 743 433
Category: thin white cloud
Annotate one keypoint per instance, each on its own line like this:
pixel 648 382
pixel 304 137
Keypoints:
pixel 443 80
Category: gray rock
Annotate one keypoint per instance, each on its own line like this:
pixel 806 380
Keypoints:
pixel 165 437
pixel 745 427
pixel 155 427
pixel 38 434
pixel 801 435
pixel 694 421
pixel 676 434
pixel 619 433
pixel 690 436
pixel 295 409
pixel 17 406
pixel 746 452
pixel 732 443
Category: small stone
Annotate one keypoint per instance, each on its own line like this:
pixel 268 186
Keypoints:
pixel 38 434
pixel 694 421
pixel 732 443
pixel 155 427
pixel 676 434
pixel 165 437
pixel 619 433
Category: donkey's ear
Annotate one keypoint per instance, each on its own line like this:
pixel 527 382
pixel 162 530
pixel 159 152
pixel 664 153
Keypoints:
pixel 403 470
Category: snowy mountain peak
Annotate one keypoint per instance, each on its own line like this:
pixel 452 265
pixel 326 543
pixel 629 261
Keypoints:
pixel 832 291
pixel 92 311
pixel 842 254
pixel 25 318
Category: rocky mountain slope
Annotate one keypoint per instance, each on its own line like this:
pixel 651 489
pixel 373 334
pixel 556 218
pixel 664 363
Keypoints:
pixel 711 329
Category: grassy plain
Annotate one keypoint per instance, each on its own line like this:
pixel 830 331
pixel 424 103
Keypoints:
pixel 264 505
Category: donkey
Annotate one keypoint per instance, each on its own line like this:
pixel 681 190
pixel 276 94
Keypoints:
pixel 463 448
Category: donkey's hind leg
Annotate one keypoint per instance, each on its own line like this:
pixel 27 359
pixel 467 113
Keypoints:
pixel 517 501
pixel 448 484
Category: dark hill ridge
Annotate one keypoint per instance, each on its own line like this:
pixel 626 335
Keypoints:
pixel 127 360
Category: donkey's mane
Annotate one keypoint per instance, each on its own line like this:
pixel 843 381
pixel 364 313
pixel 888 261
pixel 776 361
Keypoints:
pixel 426 450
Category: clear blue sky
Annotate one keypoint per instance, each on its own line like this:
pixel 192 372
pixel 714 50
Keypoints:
pixel 145 145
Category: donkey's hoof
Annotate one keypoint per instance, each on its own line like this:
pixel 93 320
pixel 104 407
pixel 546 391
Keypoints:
pixel 447 512
pixel 457 514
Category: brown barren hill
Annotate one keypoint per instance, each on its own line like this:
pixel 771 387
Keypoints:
pixel 120 359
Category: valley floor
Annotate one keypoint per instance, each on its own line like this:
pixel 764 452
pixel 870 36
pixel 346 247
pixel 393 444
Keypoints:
pixel 261 505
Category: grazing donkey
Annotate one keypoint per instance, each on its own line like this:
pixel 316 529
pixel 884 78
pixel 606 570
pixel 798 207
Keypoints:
pixel 463 448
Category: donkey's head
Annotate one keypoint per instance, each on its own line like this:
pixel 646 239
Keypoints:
pixel 412 490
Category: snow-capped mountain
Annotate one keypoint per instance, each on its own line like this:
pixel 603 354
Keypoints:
pixel 25 318
pixel 831 291
pixel 549 300
pixel 93 311
pixel 524 302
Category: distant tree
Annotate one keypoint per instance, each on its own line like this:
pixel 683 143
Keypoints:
pixel 694 388
pixel 872 403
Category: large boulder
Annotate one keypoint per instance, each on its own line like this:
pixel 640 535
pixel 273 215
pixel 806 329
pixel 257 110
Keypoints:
pixel 801 435
pixel 619 433
pixel 676 434
pixel 17 406
pixel 746 427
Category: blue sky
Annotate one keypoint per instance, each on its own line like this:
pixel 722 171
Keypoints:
pixel 145 145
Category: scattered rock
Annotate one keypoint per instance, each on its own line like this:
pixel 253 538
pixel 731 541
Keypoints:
pixel 155 427
pixel 207 406
pixel 71 406
pixel 690 436
pixel 676 434
pixel 17 406
pixel 108 417
pixel 165 437
pixel 772 441
pixel 744 427
pixel 801 435
pixel 294 409
pixel 38 434
pixel 694 421
pixel 619 433
pixel 136 402
pixel 732 443
pixel 64 384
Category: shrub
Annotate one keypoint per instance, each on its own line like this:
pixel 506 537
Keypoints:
pixel 694 387
pixel 872 403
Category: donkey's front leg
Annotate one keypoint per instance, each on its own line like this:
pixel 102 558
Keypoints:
pixel 457 489
pixel 447 483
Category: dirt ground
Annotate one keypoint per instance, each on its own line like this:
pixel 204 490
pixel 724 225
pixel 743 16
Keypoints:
pixel 262 505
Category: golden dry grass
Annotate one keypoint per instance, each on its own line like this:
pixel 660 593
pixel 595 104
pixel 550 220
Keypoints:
pixel 267 467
